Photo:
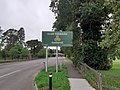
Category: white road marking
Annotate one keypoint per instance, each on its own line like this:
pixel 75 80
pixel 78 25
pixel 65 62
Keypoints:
pixel 9 73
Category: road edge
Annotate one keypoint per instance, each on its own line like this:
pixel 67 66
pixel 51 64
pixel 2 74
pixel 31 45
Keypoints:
pixel 35 85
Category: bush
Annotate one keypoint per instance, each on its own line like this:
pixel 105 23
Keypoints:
pixel 95 57
pixel 18 52
pixel 42 53
pixel 25 53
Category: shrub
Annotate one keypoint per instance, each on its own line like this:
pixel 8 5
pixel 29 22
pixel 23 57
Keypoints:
pixel 42 53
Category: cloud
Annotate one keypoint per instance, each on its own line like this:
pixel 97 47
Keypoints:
pixel 33 15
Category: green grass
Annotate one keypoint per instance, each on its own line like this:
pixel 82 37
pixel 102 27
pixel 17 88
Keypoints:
pixel 10 60
pixel 115 71
pixel 59 80
pixel 7 60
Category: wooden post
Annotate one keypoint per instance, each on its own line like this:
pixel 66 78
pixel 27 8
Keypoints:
pixel 100 81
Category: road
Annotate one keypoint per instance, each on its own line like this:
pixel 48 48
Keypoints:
pixel 20 75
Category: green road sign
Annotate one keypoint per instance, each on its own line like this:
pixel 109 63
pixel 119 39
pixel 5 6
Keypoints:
pixel 63 38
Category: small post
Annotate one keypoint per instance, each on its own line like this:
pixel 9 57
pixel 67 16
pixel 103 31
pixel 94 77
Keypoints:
pixel 50 81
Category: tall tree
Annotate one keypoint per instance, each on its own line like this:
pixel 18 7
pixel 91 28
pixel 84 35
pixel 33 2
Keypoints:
pixel 34 46
pixel 10 38
pixel 1 31
pixel 111 43
pixel 21 35
pixel 19 52
pixel 93 16
pixel 85 18
pixel 13 36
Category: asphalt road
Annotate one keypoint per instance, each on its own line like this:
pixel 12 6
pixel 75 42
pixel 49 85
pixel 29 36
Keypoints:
pixel 20 75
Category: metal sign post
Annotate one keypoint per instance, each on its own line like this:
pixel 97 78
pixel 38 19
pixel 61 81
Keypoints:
pixel 56 59
pixel 51 38
pixel 46 63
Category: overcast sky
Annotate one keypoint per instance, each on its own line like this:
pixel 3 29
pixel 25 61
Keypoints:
pixel 33 15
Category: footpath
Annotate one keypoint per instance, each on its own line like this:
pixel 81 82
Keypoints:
pixel 77 82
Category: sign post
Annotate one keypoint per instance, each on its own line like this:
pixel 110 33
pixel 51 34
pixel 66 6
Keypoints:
pixel 46 63
pixel 50 38
pixel 56 59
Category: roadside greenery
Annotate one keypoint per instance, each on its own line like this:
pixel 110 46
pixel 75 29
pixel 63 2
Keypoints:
pixel 19 52
pixel 114 72
pixel 42 53
pixel 13 45
pixel 111 43
pixel 59 80
pixel 109 79
pixel 86 18
pixel 35 46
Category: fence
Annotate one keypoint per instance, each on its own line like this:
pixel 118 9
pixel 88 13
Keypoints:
pixel 98 80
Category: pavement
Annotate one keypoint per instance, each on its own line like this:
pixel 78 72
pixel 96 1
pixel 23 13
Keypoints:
pixel 77 82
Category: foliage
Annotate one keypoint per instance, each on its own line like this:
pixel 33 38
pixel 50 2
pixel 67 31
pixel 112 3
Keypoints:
pixel 34 46
pixel 112 34
pixel 21 35
pixel 60 79
pixel 67 51
pixel 4 54
pixel 25 53
pixel 63 14
pixel 92 17
pixel 18 52
pixel 1 31
pixel 42 53
pixel 95 57
pixel 13 36
pixel 85 18
pixel 114 72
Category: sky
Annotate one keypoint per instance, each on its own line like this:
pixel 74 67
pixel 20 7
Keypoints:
pixel 33 15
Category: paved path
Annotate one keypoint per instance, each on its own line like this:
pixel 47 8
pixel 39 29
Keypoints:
pixel 77 82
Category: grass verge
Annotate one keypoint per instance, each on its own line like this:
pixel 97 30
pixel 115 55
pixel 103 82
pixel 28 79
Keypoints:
pixel 114 72
pixel 59 80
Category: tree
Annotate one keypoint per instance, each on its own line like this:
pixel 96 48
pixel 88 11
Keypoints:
pixel 3 54
pixel 111 43
pixel 10 38
pixel 34 46
pixel 13 36
pixel 25 53
pixel 42 53
pixel 18 52
pixel 92 17
pixel 63 12
pixel 21 35
pixel 1 31
pixel 85 18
